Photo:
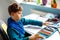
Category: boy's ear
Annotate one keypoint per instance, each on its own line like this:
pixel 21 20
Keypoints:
pixel 12 14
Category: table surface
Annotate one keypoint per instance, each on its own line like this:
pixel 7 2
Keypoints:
pixel 31 30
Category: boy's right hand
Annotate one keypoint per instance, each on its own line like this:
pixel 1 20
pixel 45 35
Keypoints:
pixel 35 37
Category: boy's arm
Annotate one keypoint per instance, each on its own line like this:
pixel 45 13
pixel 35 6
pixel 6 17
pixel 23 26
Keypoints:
pixel 32 22
pixel 14 35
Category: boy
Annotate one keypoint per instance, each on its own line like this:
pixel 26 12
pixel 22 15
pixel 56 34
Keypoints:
pixel 15 24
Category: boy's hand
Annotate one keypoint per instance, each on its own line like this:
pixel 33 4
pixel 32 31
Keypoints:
pixel 35 37
pixel 46 23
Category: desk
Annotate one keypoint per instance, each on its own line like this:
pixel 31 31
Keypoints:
pixel 35 17
pixel 55 36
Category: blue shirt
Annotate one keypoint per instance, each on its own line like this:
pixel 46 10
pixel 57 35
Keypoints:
pixel 16 30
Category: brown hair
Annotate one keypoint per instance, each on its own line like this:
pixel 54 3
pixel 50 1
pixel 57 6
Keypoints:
pixel 14 8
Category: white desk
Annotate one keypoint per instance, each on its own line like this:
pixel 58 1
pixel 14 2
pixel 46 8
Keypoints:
pixel 35 17
pixel 55 36
pixel 32 31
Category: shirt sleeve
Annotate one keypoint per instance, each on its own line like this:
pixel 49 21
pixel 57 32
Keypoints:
pixel 14 35
pixel 32 22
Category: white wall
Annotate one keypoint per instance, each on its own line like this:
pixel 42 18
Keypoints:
pixel 4 10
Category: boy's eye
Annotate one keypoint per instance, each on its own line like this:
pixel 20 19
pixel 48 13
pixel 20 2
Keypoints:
pixel 19 13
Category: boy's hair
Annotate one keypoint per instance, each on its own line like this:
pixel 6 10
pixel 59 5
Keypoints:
pixel 14 8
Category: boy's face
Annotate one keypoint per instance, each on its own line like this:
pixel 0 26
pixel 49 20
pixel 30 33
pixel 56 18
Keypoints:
pixel 16 15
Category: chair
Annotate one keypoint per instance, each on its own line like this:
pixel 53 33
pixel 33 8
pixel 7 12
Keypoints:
pixel 3 31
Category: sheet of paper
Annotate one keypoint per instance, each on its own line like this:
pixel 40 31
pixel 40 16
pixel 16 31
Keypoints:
pixel 32 29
